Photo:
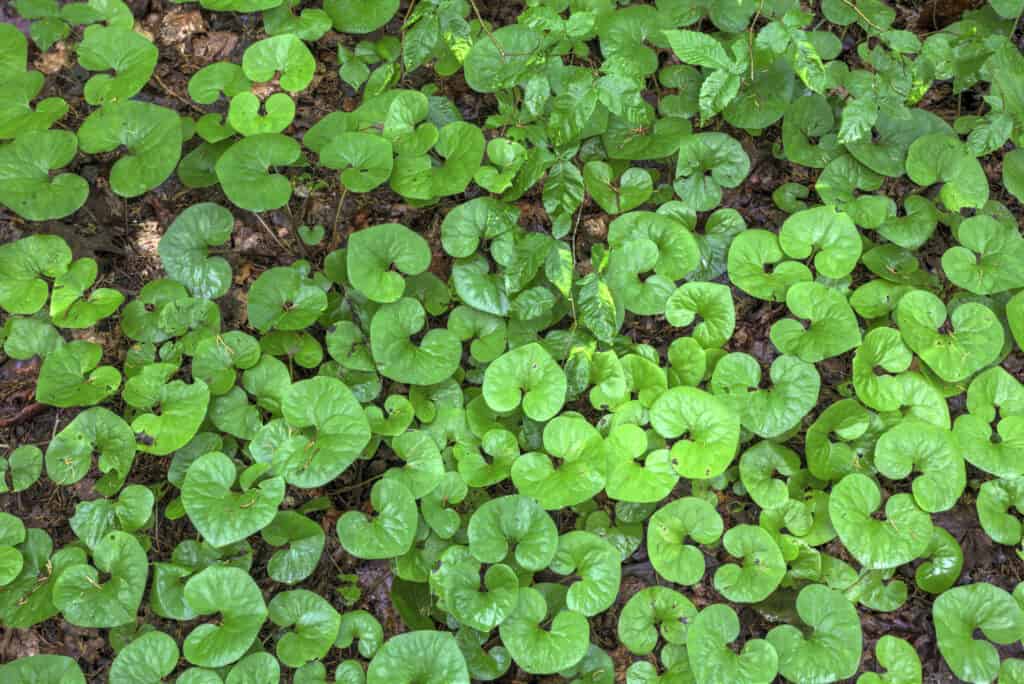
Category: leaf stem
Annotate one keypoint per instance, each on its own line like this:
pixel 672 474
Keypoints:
pixel 487 30
pixel 853 5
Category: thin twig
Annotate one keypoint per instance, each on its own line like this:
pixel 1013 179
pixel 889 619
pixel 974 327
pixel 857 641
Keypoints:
pixel 358 485
pixel 188 103
pixel 270 232
pixel 337 217
pixel 295 231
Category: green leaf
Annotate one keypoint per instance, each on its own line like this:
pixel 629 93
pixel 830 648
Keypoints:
pixel 916 445
pixel 70 308
pixel 667 531
pixel 184 249
pixel 1013 173
pixel 634 474
pixel 503 58
pixel 151 134
pixel 388 535
pixel 833 329
pixel 705 431
pixel 374 254
pixel 707 163
pixel 539 650
pixel 518 520
pixel 282 299
pixel 243 171
pixel 27 186
pixel 232 593
pixel 95 431
pixel 129 54
pixel 244 113
pixel 941 158
pixel 597 563
pixel 712 302
pixel 146 660
pixel 827 233
pixel 712 659
pixel 828 648
pixel 899 659
pixel 304 542
pixel 361 625
pixel 693 47
pixel 315 625
pixel 25 264
pixel 433 360
pixel 750 252
pixel 425 657
pixel 42 668
pixel 71 376
pixel 975 341
pixel 653 612
pixel 961 612
pixel 87 602
pixel 365 160
pixel 762 570
pixel 21 469
pixel 285 57
pixel 598 310
pixel 580 475
pixel 767 411
pixel 900 538
pixel 360 16
pixel 222 515
pixel 617 195
pixel 169 413
pixel 479 604
pixel 529 375
pixel 989 258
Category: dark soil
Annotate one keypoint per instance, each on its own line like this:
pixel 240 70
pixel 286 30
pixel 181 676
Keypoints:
pixel 123 237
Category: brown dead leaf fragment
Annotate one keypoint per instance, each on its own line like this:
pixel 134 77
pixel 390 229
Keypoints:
pixel 214 46
pixel 180 24
pixel 53 60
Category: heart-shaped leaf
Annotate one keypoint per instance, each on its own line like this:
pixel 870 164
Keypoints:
pixel 243 171
pixel 86 602
pixel 27 186
pixel 668 530
pixel 960 613
pixel 232 593
pixel 975 340
pixel 71 376
pixel 388 535
pixel 828 649
pixel 151 134
pixel 25 264
pixel 184 249
pixel 421 656
pixel 900 538
pixel 707 642
pixel 129 54
pixel 222 515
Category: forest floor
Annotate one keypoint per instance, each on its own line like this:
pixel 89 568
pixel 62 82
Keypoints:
pixel 123 237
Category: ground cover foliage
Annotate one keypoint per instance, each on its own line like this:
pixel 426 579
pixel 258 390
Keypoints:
pixel 602 418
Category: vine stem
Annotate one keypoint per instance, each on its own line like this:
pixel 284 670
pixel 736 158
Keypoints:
pixel 750 37
pixel 270 232
pixel 487 30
